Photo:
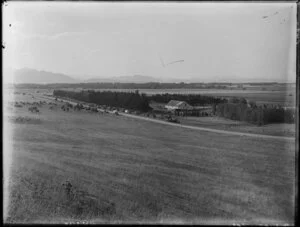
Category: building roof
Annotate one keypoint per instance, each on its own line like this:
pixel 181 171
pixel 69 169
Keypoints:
pixel 179 104
pixel 174 103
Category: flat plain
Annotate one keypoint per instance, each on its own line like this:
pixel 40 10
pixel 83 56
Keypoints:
pixel 284 95
pixel 130 171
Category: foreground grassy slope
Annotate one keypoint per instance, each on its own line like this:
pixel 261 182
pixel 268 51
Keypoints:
pixel 130 170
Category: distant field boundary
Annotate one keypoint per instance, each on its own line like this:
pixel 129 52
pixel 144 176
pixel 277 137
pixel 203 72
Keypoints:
pixel 192 127
pixel 210 129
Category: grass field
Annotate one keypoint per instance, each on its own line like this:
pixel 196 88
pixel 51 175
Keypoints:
pixel 127 170
pixel 283 129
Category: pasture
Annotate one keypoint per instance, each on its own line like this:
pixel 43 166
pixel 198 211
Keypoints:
pixel 124 170
pixel 280 94
pixel 282 129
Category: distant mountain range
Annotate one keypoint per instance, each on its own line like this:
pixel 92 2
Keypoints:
pixel 32 76
pixel 124 79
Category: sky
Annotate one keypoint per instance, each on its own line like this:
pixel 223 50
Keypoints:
pixel 218 42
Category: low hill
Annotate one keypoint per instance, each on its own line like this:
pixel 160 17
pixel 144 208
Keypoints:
pixel 124 79
pixel 32 76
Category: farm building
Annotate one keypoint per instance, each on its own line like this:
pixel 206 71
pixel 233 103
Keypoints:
pixel 178 105
pixel 182 108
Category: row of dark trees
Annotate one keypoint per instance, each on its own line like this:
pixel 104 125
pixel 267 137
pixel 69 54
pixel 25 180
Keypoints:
pixel 128 100
pixel 254 114
pixel 135 100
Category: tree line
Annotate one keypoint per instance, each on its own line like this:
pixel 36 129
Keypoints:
pixel 234 108
pixel 128 100
pixel 135 100
pixel 249 112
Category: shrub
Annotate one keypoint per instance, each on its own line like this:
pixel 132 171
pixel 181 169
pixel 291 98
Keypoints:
pixel 33 109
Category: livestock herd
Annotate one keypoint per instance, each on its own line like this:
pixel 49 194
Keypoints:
pixel 66 106
pixel 33 106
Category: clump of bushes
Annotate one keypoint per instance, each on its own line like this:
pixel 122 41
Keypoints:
pixel 94 109
pixel 33 109
pixel 18 105
pixel 26 120
pixel 64 108
pixel 78 107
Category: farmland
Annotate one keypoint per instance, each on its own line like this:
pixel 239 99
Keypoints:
pixel 283 96
pixel 128 170
pixel 277 94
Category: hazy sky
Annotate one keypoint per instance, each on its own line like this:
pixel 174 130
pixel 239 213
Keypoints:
pixel 217 41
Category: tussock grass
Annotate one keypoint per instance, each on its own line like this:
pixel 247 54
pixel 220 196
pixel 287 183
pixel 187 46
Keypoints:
pixel 25 120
